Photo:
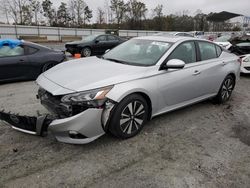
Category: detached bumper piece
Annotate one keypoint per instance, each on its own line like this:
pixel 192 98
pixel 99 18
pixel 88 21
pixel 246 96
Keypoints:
pixel 27 124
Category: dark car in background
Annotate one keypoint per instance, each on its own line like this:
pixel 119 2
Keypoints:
pixel 21 60
pixel 242 48
pixel 93 45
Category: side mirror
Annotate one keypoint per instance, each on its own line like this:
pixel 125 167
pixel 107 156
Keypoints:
pixel 107 51
pixel 174 64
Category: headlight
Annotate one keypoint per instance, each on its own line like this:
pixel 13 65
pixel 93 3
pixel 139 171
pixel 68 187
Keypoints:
pixel 94 98
pixel 246 60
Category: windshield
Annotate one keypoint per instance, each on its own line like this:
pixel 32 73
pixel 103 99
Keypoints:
pixel 138 52
pixel 223 38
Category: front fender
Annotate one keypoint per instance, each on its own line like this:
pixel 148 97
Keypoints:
pixel 120 91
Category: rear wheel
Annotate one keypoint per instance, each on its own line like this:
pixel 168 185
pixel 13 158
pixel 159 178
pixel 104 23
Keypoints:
pixel 129 117
pixel 86 52
pixel 225 90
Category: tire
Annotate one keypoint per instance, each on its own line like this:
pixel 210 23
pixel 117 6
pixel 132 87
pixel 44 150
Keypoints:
pixel 86 52
pixel 129 117
pixel 47 66
pixel 226 90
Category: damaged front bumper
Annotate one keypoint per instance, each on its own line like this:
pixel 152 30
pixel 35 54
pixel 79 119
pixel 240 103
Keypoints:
pixel 82 128
pixel 27 124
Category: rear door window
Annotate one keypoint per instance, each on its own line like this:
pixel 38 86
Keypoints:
pixel 112 38
pixel 30 50
pixel 102 38
pixel 207 51
pixel 185 52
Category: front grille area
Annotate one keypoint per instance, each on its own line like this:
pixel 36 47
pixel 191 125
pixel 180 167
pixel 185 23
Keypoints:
pixel 71 48
pixel 21 122
pixel 55 106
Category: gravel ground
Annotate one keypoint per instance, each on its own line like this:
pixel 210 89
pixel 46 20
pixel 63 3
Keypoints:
pixel 204 145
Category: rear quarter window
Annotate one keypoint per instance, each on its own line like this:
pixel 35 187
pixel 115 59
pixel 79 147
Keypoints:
pixel 218 50
pixel 30 50
pixel 207 50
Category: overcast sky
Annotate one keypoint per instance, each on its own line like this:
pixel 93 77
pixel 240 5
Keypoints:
pixel 175 6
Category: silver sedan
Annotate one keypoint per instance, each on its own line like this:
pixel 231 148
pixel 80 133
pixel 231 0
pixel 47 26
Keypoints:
pixel 132 83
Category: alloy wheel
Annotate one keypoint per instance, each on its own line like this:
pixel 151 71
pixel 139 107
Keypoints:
pixel 227 89
pixel 86 52
pixel 132 117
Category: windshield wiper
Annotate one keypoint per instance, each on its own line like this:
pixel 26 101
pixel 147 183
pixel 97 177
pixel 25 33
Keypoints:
pixel 115 60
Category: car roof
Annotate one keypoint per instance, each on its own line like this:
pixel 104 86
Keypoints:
pixel 35 45
pixel 170 38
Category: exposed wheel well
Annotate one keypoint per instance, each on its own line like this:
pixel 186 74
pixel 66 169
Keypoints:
pixel 233 75
pixel 148 100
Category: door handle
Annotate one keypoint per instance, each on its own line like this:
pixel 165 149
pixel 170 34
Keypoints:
pixel 196 73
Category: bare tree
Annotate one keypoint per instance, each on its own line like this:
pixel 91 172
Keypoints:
pixel 158 17
pixel 5 9
pixel 72 12
pixel 108 12
pixel 158 11
pixel 76 11
pixel 17 9
pixel 137 10
pixel 119 7
pixel 100 16
pixel 36 8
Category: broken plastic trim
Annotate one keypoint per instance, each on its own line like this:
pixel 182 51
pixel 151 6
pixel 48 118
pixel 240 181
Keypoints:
pixel 27 124
pixel 107 110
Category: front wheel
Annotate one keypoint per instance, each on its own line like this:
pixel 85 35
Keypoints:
pixel 225 90
pixel 86 52
pixel 129 117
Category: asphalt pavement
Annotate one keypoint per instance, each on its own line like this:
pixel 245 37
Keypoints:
pixel 204 145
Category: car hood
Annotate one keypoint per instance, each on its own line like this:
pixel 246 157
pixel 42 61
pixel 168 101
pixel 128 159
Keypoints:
pixel 89 73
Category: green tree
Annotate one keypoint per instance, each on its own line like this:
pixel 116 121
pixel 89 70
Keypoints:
pixel 87 15
pixel 49 12
pixel 63 15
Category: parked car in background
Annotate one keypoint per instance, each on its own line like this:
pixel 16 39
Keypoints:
pixel 21 60
pixel 198 34
pixel 224 41
pixel 129 85
pixel 242 48
pixel 182 34
pixel 93 45
pixel 245 65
